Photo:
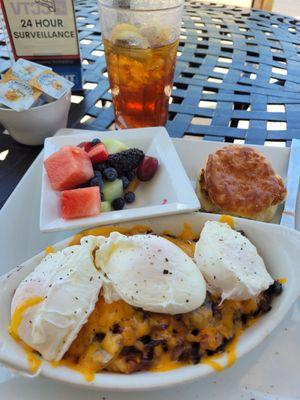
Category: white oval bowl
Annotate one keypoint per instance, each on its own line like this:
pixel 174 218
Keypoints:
pixel 33 126
pixel 280 249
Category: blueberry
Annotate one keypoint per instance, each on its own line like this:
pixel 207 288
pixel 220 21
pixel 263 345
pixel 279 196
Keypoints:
pixel 118 203
pixel 95 141
pixel 125 181
pixel 96 181
pixel 130 175
pixel 100 167
pixel 129 197
pixel 98 173
pixel 110 174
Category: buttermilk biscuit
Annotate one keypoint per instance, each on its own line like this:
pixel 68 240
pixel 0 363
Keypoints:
pixel 240 181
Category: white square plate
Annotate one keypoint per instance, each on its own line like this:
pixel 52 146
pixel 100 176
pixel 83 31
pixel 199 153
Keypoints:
pixel 194 153
pixel 169 192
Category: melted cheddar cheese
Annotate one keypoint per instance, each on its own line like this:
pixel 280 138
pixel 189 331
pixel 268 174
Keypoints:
pixel 230 354
pixel 17 317
pixel 119 330
pixel 282 281
pixel 49 250
pixel 228 220
pixel 107 230
pixel 33 360
pixel 166 363
pixel 87 373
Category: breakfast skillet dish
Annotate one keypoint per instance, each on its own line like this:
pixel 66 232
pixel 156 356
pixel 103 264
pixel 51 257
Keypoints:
pixel 126 300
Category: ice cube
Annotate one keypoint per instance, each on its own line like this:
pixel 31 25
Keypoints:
pixel 158 35
pixel 127 35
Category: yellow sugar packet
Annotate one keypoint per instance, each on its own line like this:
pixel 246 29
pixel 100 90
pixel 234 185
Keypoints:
pixel 18 95
pixel 51 84
pixel 7 76
pixel 24 70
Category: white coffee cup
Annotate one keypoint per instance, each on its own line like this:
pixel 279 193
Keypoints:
pixel 32 126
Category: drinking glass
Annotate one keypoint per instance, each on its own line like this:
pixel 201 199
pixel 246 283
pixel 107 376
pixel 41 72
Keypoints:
pixel 140 40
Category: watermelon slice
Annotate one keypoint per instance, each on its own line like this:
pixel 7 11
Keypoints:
pixel 79 203
pixel 68 168
pixel 98 154
pixel 86 146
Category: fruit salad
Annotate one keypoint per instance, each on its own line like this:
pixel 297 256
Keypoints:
pixel 97 176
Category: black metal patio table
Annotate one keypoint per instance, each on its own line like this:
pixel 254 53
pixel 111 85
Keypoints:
pixel 237 78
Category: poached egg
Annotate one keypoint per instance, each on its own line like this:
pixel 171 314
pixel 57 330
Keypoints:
pixel 230 263
pixel 55 300
pixel 149 272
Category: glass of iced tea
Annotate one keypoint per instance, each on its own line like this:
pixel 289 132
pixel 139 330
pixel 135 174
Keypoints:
pixel 140 40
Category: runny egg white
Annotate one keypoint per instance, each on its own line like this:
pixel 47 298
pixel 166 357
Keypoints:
pixel 68 285
pixel 150 272
pixel 230 263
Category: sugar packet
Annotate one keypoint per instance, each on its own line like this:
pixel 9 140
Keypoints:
pixel 25 70
pixel 18 95
pixel 51 84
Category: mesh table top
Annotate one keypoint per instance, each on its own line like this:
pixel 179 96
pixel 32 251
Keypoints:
pixel 236 79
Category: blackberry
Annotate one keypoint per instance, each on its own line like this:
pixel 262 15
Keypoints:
pixel 110 174
pixel 118 204
pixel 126 160
pixel 129 197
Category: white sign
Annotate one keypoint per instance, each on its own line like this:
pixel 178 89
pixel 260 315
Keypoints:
pixel 41 28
